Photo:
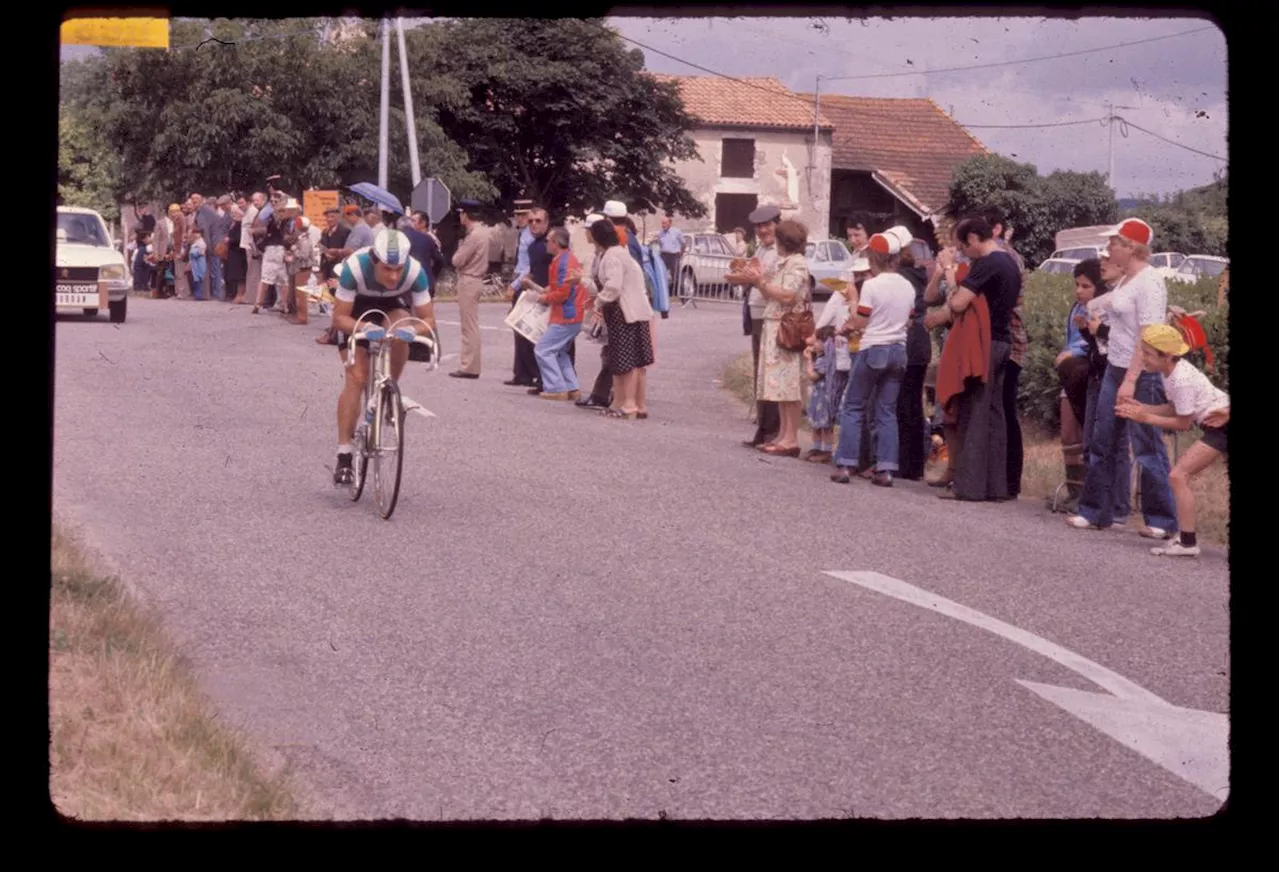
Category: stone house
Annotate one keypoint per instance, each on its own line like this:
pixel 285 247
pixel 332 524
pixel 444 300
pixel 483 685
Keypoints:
pixel 757 144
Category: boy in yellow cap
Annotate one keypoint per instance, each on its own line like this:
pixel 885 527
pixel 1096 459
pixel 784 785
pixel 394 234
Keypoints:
pixel 1192 399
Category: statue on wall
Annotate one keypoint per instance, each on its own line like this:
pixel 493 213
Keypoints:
pixel 790 180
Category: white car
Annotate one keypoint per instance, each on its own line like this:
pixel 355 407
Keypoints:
pixel 1200 266
pixel 1167 263
pixel 1058 266
pixel 90 273
pixel 1079 253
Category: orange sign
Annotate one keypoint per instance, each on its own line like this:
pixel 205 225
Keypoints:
pixel 136 32
pixel 315 203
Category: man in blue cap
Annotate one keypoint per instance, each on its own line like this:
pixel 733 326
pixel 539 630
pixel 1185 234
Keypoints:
pixel 471 260
pixel 765 221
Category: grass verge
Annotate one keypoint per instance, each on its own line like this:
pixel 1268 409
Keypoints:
pixel 131 735
pixel 1042 469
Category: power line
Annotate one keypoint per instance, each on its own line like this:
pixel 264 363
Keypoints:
pixel 1127 123
pixel 1028 126
pixel 989 66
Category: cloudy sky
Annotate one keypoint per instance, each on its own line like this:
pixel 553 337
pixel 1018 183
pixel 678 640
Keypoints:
pixel 1175 87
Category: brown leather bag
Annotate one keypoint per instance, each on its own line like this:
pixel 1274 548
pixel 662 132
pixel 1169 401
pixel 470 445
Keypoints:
pixel 795 327
pixel 220 250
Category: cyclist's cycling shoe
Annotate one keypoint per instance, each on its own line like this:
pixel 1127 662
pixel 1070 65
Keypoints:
pixel 342 473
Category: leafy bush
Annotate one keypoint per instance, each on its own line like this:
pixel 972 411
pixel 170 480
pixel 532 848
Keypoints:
pixel 1046 302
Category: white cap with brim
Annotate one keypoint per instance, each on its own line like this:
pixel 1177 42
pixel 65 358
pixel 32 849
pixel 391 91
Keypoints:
pixel 615 209
pixel 593 218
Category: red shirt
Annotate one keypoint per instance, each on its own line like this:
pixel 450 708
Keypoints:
pixel 568 302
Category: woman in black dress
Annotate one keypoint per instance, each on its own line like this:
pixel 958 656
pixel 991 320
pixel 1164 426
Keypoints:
pixel 237 267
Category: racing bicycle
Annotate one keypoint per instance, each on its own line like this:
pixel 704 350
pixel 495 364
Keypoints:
pixel 379 434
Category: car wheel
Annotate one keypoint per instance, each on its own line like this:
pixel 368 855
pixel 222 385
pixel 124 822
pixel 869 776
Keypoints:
pixel 92 313
pixel 117 308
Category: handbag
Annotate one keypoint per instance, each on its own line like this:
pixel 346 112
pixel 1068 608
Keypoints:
pixel 795 327
pixel 220 250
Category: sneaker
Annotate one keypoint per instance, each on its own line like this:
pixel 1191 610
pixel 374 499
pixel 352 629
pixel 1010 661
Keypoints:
pixel 1080 522
pixel 1155 533
pixel 1175 548
pixel 342 473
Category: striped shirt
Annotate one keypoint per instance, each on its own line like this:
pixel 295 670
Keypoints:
pixel 356 277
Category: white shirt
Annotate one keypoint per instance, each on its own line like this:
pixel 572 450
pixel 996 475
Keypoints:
pixel 1135 303
pixel 246 237
pixel 886 301
pixel 768 257
pixel 834 314
pixel 1192 393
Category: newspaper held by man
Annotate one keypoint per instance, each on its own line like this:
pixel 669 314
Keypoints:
pixel 528 317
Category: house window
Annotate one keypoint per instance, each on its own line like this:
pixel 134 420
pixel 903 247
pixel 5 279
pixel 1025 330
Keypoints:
pixel 737 158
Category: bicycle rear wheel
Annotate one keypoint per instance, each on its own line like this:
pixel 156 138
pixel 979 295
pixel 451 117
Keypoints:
pixel 388 449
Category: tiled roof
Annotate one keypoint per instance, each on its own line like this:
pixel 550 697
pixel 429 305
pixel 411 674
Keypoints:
pixel 912 144
pixel 746 102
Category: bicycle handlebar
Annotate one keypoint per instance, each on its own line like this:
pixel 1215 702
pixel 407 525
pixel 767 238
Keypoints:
pixel 375 334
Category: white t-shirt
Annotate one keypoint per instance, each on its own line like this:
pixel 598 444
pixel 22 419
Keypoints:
pixel 1134 304
pixel 1192 393
pixel 886 301
pixel 834 314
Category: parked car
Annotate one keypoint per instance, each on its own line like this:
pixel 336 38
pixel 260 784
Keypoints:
pixel 1058 266
pixel 1200 266
pixel 703 265
pixel 829 262
pixel 90 273
pixel 1167 262
pixel 1079 253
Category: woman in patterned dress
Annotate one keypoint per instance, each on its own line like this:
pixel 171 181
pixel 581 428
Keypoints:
pixel 780 371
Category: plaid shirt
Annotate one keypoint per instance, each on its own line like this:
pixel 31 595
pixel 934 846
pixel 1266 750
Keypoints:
pixel 1018 351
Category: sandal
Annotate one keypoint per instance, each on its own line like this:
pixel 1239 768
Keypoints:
pixel 778 451
pixel 619 414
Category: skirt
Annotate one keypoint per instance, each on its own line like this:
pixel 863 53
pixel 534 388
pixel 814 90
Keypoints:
pixel 630 345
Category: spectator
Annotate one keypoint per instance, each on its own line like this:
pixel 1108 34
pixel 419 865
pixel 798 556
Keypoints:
pixel 423 246
pixel 857 232
pixel 827 384
pixel 1139 300
pixel 363 232
pixel 671 246
pixel 237 261
pixel 982 470
pixel 197 255
pixel 537 265
pixel 913 434
pixel 738 242
pixel 568 301
pixel 765 221
pixel 620 299
pixel 884 308
pixel 275 273
pixel 601 396
pixel 1192 399
pixel 470 261
pixel 249 244
pixel 779 371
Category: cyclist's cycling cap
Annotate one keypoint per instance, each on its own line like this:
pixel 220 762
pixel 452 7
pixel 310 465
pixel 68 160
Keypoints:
pixel 391 247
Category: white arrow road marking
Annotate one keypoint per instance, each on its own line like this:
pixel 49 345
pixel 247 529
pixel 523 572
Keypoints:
pixel 1189 743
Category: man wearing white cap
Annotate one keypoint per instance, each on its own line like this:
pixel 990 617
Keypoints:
pixel 1138 300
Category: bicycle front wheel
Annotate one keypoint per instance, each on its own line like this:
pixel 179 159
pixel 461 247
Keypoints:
pixel 388 449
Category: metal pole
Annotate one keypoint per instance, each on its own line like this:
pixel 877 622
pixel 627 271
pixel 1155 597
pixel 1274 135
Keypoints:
pixel 408 106
pixel 386 94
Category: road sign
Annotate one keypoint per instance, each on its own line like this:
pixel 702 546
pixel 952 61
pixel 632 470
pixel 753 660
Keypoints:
pixel 135 32
pixel 432 197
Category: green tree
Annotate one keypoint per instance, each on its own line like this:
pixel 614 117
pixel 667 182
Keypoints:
pixel 1192 221
pixel 556 110
pixel 87 169
pixel 1037 206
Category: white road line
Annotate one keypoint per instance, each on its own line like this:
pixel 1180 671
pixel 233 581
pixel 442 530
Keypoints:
pixel 1192 744
pixel 412 405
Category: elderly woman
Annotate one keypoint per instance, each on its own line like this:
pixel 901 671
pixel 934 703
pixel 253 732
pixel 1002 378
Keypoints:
pixel 237 258
pixel 568 302
pixel 620 299
pixel 780 370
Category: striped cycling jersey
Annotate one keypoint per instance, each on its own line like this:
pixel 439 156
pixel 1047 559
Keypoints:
pixel 356 278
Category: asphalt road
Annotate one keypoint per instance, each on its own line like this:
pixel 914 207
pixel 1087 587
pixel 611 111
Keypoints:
pixel 574 617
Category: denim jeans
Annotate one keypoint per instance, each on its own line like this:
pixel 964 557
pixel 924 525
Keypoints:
pixel 554 364
pixel 1108 457
pixel 1120 484
pixel 213 278
pixel 877 371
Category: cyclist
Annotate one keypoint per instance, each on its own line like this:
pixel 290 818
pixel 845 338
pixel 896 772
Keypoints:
pixel 384 277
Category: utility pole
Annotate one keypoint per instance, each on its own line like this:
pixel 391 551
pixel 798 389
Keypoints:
pixel 1111 136
pixel 408 106
pixel 386 89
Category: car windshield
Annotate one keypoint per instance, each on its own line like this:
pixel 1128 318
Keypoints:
pixel 1211 268
pixel 82 229
pixel 809 250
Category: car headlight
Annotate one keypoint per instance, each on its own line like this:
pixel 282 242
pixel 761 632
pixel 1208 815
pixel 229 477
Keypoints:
pixel 115 272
